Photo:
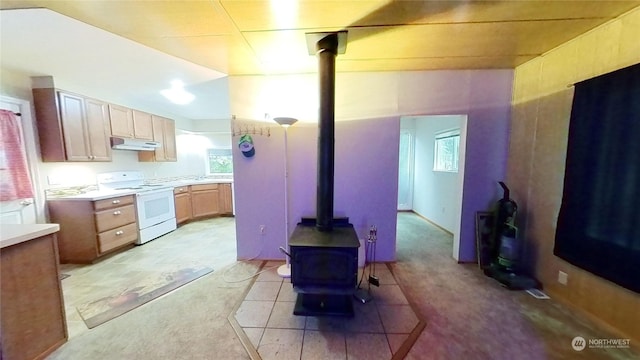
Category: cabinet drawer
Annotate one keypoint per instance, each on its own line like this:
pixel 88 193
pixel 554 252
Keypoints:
pixel 116 217
pixel 112 202
pixel 115 238
pixel 201 187
pixel 181 189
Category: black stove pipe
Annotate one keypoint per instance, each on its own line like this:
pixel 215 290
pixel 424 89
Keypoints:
pixel 326 50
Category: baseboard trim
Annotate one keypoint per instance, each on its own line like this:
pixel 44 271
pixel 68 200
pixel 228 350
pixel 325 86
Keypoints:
pixel 429 221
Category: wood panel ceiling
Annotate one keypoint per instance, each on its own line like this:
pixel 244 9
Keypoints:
pixel 268 37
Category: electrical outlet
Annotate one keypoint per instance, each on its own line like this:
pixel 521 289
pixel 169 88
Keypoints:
pixel 563 277
pixel 262 229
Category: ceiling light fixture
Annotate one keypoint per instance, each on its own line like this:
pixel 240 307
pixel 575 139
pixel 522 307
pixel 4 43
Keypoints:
pixel 177 94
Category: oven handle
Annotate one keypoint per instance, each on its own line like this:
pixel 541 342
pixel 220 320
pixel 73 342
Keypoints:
pixel 150 192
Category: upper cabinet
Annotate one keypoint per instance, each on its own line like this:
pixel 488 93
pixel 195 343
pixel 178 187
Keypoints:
pixel 142 125
pixel 164 132
pixel 130 123
pixel 121 121
pixel 71 127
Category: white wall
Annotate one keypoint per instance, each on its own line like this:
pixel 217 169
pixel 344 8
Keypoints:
pixel 435 194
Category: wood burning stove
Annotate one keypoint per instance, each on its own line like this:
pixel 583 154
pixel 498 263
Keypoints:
pixel 324 250
pixel 324 268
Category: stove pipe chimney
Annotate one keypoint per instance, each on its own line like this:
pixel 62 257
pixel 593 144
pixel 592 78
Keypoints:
pixel 326 50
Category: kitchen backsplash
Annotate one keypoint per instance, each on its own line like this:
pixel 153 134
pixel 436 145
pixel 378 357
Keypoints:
pixel 83 189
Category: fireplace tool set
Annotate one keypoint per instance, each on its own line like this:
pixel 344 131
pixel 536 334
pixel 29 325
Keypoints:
pixel 370 266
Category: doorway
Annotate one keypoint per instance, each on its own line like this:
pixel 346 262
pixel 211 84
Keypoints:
pixel 432 193
pixel 23 211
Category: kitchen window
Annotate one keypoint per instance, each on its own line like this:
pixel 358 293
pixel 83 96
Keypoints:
pixel 447 144
pixel 219 162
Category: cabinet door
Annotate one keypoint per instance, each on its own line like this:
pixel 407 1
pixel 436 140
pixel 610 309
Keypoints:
pixel 226 199
pixel 121 119
pixel 169 130
pixel 142 127
pixel 98 131
pixel 73 127
pixel 158 135
pixel 204 203
pixel 183 207
pixel 164 132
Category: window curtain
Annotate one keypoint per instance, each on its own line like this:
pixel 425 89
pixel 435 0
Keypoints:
pixel 599 221
pixel 16 182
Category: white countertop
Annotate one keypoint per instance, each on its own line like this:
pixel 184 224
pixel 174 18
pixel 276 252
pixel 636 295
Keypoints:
pixel 11 234
pixel 106 194
pixel 94 195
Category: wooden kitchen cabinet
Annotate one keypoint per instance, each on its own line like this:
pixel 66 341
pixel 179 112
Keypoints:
pixel 182 200
pixel 91 229
pixel 205 200
pixel 226 199
pixel 71 127
pixel 32 306
pixel 130 123
pixel 164 132
pixel 142 125
pixel 121 119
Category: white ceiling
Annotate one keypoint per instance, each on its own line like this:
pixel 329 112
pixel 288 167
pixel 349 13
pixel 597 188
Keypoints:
pixel 93 62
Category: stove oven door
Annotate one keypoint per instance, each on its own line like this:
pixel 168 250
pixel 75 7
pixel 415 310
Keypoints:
pixel 156 213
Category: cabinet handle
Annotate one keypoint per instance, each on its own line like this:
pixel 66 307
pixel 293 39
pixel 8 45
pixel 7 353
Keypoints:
pixel 180 189
pixel 115 202
pixel 117 212
pixel 119 232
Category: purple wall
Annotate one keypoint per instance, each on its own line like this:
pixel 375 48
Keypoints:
pixel 366 160
pixel 366 164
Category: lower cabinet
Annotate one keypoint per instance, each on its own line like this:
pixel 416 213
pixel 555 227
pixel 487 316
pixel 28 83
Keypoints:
pixel 32 307
pixel 200 201
pixel 182 197
pixel 205 200
pixel 90 229
pixel 226 199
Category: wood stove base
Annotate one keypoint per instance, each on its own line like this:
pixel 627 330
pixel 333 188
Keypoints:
pixel 323 305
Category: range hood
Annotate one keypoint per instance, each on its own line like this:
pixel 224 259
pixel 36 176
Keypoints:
pixel 120 143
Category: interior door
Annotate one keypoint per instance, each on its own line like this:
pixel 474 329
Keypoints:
pixel 21 211
pixel 405 170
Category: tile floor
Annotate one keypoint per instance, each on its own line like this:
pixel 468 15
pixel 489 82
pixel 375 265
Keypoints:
pixel 377 331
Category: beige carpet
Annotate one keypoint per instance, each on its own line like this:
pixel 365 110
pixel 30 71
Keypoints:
pixel 107 308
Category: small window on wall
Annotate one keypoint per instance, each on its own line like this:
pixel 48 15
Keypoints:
pixel 219 161
pixel 446 151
